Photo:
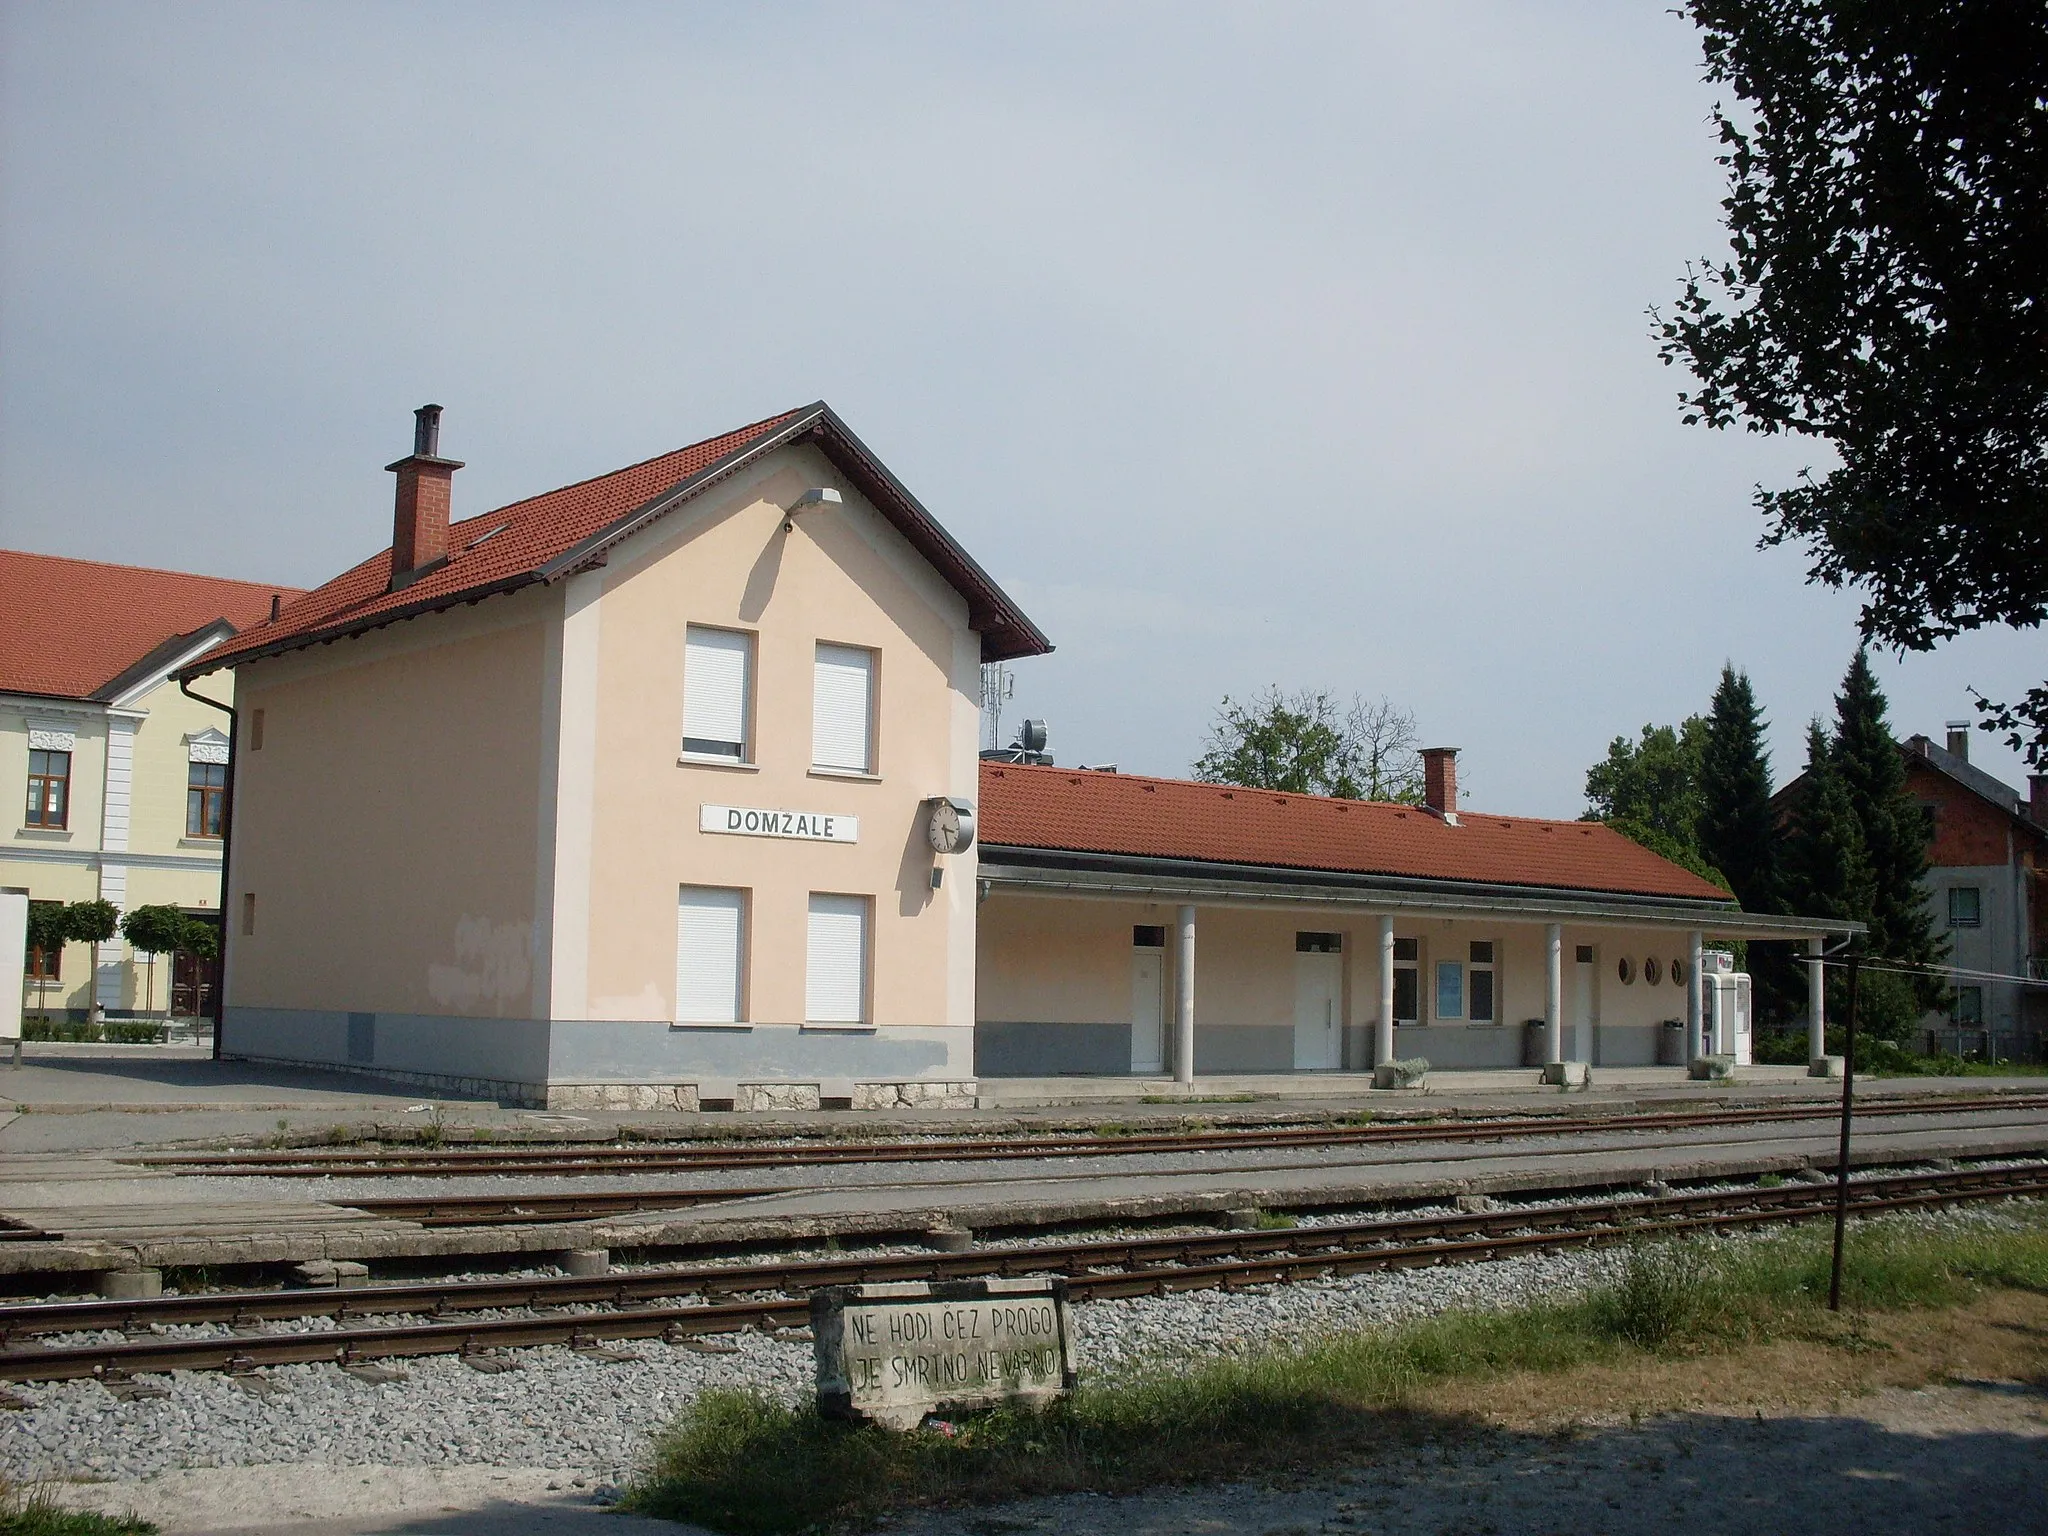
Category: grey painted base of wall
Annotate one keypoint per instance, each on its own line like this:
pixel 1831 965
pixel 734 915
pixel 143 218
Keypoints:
pixel 622 1065
pixel 1104 1050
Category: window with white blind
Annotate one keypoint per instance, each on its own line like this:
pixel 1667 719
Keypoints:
pixel 842 709
pixel 711 949
pixel 717 681
pixel 836 961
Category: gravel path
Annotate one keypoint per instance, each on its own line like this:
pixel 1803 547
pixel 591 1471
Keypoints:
pixel 559 1409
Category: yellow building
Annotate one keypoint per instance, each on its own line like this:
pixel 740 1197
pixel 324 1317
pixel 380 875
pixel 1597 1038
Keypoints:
pixel 120 777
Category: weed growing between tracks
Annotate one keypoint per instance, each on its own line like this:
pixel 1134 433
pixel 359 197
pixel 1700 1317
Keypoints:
pixel 747 1464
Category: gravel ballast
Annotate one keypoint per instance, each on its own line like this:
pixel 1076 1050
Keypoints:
pixel 556 1408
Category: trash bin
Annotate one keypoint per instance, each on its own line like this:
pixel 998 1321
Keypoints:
pixel 1535 1043
pixel 1671 1043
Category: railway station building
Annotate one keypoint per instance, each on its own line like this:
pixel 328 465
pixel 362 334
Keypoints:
pixel 662 790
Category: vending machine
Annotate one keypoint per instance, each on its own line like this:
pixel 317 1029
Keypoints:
pixel 1724 1008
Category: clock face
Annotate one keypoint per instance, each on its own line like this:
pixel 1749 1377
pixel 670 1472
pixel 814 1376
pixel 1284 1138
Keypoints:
pixel 949 828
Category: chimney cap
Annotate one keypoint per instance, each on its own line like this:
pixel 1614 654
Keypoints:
pixel 426 441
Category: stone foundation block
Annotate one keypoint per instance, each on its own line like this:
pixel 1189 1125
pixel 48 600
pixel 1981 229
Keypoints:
pixel 1711 1069
pixel 624 1098
pixel 776 1096
pixel 1824 1066
pixel 913 1095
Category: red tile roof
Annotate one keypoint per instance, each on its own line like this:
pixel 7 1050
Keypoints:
pixel 1122 813
pixel 551 535
pixel 69 627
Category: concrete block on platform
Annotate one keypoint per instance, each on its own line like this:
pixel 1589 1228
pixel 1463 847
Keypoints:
pixel 1711 1069
pixel 1824 1066
pixel 1401 1074
pixel 130 1284
pixel 337 1273
pixel 1568 1074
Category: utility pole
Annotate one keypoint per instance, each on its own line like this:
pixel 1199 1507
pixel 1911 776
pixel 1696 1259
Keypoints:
pixel 1842 1161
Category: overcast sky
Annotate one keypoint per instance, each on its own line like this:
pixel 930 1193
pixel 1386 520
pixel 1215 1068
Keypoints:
pixel 1243 345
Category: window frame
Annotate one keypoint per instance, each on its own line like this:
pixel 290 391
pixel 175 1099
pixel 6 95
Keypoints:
pixel 871 728
pixel 211 795
pixel 1490 967
pixel 1976 917
pixel 750 672
pixel 35 805
pixel 1412 965
pixel 1972 1016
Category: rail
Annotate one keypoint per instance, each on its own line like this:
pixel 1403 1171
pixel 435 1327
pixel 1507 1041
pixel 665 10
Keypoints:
pixel 774 1295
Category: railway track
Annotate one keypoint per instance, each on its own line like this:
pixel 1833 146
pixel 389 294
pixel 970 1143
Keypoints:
pixel 661 1158
pixel 775 1295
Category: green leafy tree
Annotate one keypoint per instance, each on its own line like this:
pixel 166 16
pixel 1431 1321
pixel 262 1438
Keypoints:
pixel 1649 790
pixel 1894 829
pixel 155 930
pixel 1310 743
pixel 92 922
pixel 1653 782
pixel 1887 294
pixel 1738 832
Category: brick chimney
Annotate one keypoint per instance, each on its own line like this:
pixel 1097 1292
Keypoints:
pixel 2037 798
pixel 1440 781
pixel 1959 739
pixel 419 521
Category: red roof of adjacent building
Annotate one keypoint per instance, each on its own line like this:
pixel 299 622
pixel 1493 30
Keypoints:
pixel 1120 813
pixel 552 535
pixel 70 627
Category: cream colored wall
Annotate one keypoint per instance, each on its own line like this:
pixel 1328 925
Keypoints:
pixel 47 881
pixel 843 576
pixel 387 827
pixel 1067 961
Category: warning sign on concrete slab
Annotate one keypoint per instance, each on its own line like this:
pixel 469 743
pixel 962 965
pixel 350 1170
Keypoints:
pixel 890 1354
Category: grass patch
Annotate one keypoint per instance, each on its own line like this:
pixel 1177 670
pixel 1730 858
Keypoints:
pixel 1273 1221
pixel 746 1464
pixel 29 1512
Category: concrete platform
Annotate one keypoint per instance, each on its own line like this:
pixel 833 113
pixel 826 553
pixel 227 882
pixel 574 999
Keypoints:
pixel 1037 1092
pixel 106 1215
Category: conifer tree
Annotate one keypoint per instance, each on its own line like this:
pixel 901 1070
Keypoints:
pixel 1894 827
pixel 1826 866
pixel 1738 833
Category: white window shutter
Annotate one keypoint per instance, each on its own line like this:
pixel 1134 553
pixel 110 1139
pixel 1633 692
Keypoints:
pixel 836 962
pixel 715 667
pixel 710 941
pixel 842 695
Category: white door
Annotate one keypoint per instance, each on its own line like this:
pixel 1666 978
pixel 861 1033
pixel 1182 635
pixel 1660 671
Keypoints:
pixel 1318 1012
pixel 1585 1004
pixel 1148 1010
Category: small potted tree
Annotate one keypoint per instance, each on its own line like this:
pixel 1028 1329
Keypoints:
pixel 158 929
pixel 92 922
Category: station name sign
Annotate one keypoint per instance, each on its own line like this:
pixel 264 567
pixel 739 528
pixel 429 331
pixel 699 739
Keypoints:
pixel 751 821
pixel 892 1353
